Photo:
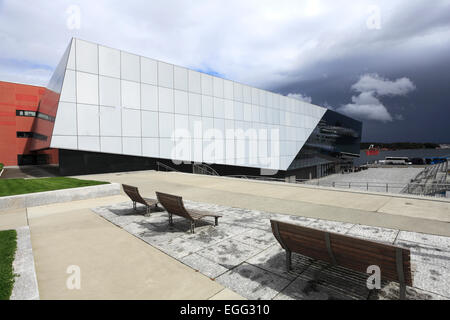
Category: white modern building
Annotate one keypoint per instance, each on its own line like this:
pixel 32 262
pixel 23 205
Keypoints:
pixel 104 101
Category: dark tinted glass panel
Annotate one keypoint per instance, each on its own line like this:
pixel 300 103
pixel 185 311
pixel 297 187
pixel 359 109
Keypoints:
pixel 336 138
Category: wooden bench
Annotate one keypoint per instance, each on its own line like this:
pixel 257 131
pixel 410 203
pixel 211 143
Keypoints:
pixel 134 195
pixel 348 252
pixel 174 206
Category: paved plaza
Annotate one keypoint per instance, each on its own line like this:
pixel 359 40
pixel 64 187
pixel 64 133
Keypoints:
pixel 242 254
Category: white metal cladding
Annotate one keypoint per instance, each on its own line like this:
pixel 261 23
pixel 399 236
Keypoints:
pixel 117 102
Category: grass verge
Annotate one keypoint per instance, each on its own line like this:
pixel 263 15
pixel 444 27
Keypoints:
pixel 10 187
pixel 8 245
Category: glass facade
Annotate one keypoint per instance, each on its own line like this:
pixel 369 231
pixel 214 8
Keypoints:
pixel 334 141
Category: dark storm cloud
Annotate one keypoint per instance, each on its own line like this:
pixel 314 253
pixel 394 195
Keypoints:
pixel 312 49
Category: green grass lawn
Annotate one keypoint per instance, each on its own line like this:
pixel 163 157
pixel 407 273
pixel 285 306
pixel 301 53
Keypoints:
pixel 10 187
pixel 8 245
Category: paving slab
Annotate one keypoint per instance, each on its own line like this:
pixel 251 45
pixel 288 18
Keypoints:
pixel 428 239
pixel 331 226
pixel 229 253
pixel 373 233
pixel 273 259
pixel 252 282
pixel 13 219
pixel 205 266
pixel 307 289
pixel 244 238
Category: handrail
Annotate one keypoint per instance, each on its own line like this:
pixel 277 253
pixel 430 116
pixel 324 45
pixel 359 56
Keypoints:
pixel 203 168
pixel 165 166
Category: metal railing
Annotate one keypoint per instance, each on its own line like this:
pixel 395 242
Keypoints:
pixel 389 187
pixel 202 168
pixel 164 166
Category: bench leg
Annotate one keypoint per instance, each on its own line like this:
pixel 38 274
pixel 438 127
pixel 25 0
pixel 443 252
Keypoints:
pixel 192 227
pixel 170 219
pixel 134 205
pixel 402 291
pixel 288 260
pixel 216 221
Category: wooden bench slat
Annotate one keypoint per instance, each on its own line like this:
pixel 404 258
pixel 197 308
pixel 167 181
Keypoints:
pixel 349 252
pixel 175 206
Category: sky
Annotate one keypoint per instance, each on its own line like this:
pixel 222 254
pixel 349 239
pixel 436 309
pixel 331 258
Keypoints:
pixel 386 63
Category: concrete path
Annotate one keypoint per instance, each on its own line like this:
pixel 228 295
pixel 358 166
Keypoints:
pixel 409 213
pixel 113 264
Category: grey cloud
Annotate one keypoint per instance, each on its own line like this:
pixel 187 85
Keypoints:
pixel 300 97
pixel 367 104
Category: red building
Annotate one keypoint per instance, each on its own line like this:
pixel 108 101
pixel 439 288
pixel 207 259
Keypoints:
pixel 18 110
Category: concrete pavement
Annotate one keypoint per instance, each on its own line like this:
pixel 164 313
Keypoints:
pixel 425 215
pixel 113 263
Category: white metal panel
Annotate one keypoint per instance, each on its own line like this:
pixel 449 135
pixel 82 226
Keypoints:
pixel 218 87
pixel 71 63
pixel 111 144
pixel 247 92
pixel 66 119
pixel 195 104
pixel 150 124
pixel 149 71
pixel 238 92
pixel 228 109
pixel 149 97
pixel 87 88
pixel 195 127
pixel 131 123
pixel 150 147
pixel 130 67
pixel 247 112
pixel 228 89
pixel 109 91
pixel 89 143
pixel 109 62
pixel 180 78
pixel 181 124
pixel 68 91
pixel 219 108
pixel 64 142
pixel 166 148
pixel 165 74
pixel 86 56
pixel 166 128
pixel 131 94
pixel 166 100
pixel 132 146
pixel 207 84
pixel 207 106
pixel 88 120
pixel 110 121
pixel 238 110
pixel 255 96
pixel 194 81
pixel 181 102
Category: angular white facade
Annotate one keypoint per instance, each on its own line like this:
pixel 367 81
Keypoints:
pixel 117 102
